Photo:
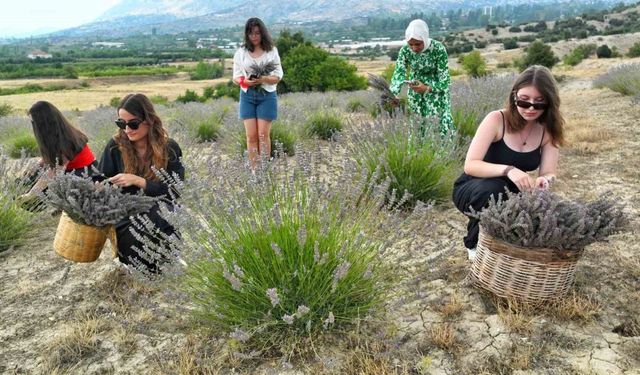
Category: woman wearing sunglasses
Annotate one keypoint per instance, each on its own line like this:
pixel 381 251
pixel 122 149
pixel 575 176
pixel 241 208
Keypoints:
pixel 61 145
pixel 509 143
pixel 140 144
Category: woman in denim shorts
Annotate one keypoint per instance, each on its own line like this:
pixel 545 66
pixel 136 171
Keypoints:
pixel 257 69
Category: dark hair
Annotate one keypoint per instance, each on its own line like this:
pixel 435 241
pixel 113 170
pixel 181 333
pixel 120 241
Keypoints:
pixel 265 38
pixel 541 78
pixel 140 106
pixel 59 141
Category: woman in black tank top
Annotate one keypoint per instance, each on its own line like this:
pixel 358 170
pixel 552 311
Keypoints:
pixel 523 137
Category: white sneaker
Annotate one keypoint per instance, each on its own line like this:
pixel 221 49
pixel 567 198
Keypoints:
pixel 471 253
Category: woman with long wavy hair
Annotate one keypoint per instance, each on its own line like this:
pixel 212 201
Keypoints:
pixel 129 159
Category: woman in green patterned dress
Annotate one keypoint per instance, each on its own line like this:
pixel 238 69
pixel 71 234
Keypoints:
pixel 426 61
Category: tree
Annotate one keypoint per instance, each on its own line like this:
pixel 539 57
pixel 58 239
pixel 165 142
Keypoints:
pixel 539 53
pixel 309 68
pixel 634 51
pixel 287 41
pixel 474 64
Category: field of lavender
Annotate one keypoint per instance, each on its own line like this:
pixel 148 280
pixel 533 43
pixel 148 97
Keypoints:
pixel 343 255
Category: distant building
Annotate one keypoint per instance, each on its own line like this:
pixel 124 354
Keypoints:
pixel 108 44
pixel 37 54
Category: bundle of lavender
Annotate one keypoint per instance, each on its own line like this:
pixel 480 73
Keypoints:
pixel 387 99
pixel 94 203
pixel 262 69
pixel 543 219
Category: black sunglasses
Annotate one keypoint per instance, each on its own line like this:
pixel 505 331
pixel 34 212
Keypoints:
pixel 132 124
pixel 525 104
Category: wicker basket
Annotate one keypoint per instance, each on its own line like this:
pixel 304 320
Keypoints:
pixel 526 274
pixel 79 242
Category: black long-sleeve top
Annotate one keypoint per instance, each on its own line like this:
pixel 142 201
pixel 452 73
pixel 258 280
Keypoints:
pixel 111 164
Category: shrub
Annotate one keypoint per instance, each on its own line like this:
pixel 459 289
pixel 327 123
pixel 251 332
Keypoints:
pixel 544 219
pixel 579 53
pixel 324 125
pixel 159 100
pixel 208 131
pixel 503 65
pixel 410 152
pixel 281 256
pixel 624 79
pixel 604 52
pixel 388 72
pixel 312 69
pixel 510 43
pixel 283 139
pixel 206 71
pixel 472 100
pixel 5 109
pixel 515 29
pixel 229 89
pixel 538 53
pixel 189 96
pixel 354 105
pixel 474 64
pixel 14 221
pixel 114 101
pixel 634 51
pixel 23 145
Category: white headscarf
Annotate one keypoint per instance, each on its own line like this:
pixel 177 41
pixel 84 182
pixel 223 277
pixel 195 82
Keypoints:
pixel 418 30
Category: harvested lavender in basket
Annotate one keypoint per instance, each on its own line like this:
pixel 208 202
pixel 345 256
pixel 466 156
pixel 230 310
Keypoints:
pixel 94 203
pixel 544 219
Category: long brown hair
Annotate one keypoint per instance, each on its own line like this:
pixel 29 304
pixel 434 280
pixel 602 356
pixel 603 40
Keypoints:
pixel 265 38
pixel 157 155
pixel 541 78
pixel 58 140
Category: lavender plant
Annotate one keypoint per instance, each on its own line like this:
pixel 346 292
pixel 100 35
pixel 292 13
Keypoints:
pixel 14 221
pixel 471 100
pixel 324 125
pixel 283 139
pixel 624 78
pixel 543 219
pixel 93 203
pixel 411 153
pixel 281 254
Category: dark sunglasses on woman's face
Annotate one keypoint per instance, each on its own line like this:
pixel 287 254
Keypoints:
pixel 132 124
pixel 526 105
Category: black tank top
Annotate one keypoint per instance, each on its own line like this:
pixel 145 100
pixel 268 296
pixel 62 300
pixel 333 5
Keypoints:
pixel 500 153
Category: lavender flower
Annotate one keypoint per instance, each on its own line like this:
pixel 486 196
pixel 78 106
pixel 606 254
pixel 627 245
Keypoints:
pixel 236 284
pixel 272 293
pixel 288 318
pixel 339 273
pixel 302 310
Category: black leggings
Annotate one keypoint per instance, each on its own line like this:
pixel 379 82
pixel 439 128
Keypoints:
pixel 475 192
pixel 126 240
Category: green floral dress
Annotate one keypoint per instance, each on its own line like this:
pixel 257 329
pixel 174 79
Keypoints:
pixel 431 68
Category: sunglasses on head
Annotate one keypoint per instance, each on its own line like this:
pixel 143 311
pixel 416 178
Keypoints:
pixel 132 124
pixel 526 105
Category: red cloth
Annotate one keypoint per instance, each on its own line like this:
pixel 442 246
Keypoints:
pixel 84 159
pixel 241 82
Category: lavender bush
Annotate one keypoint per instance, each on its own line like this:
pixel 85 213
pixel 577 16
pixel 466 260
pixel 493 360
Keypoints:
pixel 411 153
pixel 544 219
pixel 93 203
pixel 624 78
pixel 280 254
pixel 14 221
pixel 471 100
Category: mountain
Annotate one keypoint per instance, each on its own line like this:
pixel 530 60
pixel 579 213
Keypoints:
pixel 174 16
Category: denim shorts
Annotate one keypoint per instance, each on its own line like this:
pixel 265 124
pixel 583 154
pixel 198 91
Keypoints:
pixel 259 104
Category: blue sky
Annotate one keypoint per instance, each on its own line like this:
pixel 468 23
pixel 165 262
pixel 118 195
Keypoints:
pixel 23 17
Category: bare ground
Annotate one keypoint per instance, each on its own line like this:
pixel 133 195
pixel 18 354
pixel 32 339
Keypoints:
pixel 60 317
